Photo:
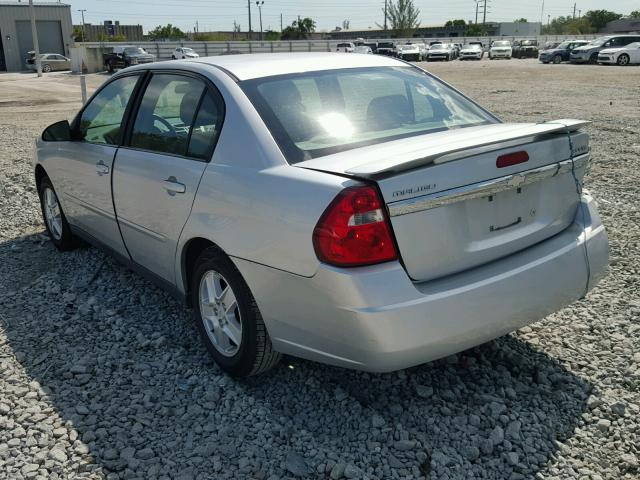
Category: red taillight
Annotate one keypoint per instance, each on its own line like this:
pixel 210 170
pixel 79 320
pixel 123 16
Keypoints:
pixel 512 159
pixel 354 230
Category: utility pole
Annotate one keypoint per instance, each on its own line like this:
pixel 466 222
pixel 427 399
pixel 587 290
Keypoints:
pixel 548 20
pixel 484 14
pixel 385 14
pixel 260 4
pixel 579 14
pixel 280 23
pixel 477 4
pixel 542 12
pixel 34 35
pixel 249 9
pixel 574 11
pixel 84 33
pixel 197 27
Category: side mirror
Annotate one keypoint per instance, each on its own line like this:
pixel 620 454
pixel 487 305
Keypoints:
pixel 58 132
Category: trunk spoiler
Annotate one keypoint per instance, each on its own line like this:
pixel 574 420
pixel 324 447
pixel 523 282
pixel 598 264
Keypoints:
pixel 436 148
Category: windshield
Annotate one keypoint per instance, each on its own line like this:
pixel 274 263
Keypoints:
pixel 502 43
pixel 385 45
pixel 598 41
pixel 438 46
pixel 342 45
pixel 134 50
pixel 471 47
pixel 529 42
pixel 319 113
pixel 187 50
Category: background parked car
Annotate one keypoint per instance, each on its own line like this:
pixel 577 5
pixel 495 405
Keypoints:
pixel 440 51
pixel 471 52
pixel 500 49
pixel 363 49
pixel 50 62
pixel 184 52
pixel 525 49
pixel 561 52
pixel 126 55
pixel 386 48
pixel 589 53
pixel 346 47
pixel 621 56
pixel 410 51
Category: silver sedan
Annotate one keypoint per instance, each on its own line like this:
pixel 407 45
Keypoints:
pixel 353 210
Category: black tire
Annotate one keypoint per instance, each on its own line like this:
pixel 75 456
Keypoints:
pixel 66 240
pixel 110 67
pixel 255 353
pixel 557 59
pixel 593 59
pixel 46 68
pixel 623 60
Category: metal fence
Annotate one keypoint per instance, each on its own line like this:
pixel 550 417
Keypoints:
pixel 163 50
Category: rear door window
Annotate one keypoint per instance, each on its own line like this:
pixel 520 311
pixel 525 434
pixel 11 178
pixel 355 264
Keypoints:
pixel 178 115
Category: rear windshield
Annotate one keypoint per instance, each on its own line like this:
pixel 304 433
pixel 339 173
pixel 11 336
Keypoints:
pixel 319 113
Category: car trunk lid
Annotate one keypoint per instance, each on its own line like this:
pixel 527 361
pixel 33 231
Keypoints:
pixel 452 208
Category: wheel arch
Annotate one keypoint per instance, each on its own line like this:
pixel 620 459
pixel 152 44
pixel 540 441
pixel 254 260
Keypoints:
pixel 190 253
pixel 39 173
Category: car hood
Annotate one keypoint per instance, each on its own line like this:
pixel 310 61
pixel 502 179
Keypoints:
pixel 501 48
pixel 470 50
pixel 410 49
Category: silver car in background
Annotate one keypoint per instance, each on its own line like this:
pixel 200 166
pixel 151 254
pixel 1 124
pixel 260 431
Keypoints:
pixel 50 62
pixel 348 209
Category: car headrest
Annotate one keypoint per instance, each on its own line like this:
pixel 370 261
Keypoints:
pixel 388 112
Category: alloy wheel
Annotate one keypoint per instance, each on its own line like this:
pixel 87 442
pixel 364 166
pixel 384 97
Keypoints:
pixel 220 313
pixel 52 213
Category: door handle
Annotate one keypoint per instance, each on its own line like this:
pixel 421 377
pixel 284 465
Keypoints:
pixel 102 169
pixel 172 186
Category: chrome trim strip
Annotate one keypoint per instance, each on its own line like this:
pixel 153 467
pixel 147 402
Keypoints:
pixel 486 188
pixel 141 229
pixel 92 208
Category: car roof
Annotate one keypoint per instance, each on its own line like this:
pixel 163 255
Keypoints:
pixel 246 67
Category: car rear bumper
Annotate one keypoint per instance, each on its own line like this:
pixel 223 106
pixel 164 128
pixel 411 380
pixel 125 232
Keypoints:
pixel 376 319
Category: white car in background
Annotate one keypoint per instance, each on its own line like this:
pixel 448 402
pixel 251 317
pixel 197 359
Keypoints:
pixel 184 52
pixel 410 51
pixel 622 55
pixel 500 49
pixel 363 49
pixel 471 52
pixel 346 47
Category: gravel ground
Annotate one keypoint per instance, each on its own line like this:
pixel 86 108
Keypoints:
pixel 102 375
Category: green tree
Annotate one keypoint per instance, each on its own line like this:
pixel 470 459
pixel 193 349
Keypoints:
pixel 475 30
pixel 521 20
pixel 455 23
pixel 599 18
pixel 166 32
pixel 635 14
pixel 299 29
pixel 78 34
pixel 568 26
pixel 403 17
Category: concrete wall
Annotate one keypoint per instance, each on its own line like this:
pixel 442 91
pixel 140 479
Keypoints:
pixel 10 13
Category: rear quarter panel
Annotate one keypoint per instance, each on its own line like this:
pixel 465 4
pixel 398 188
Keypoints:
pixel 250 201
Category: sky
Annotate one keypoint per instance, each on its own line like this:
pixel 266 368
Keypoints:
pixel 213 15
